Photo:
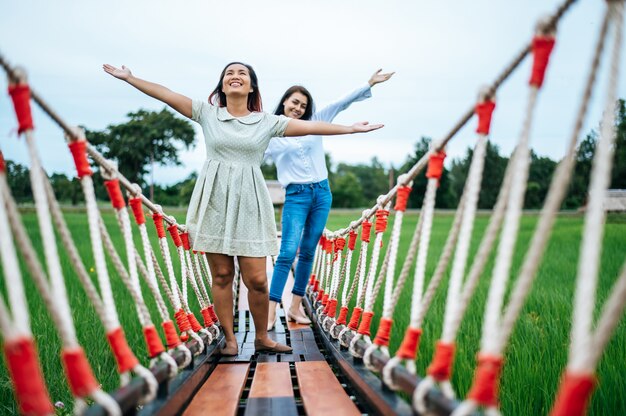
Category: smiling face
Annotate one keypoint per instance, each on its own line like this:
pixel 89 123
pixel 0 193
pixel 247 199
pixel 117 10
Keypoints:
pixel 295 105
pixel 236 80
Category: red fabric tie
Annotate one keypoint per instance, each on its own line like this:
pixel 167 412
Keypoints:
pixel 352 240
pixel 381 220
pixel 410 343
pixel 343 315
pixel 542 48
pixel 28 382
pixel 366 228
pixel 78 372
pixel 184 237
pixel 435 165
pixel 173 229
pixel 115 193
pixel 354 319
pixel 153 341
pixel 484 111
pixel 20 94
pixel 441 366
pixel 384 330
pixel 402 198
pixel 124 356
pixel 158 223
pixel 135 204
pixel 79 153
pixel 366 322
pixel 486 380
pixel 171 337
pixel 574 394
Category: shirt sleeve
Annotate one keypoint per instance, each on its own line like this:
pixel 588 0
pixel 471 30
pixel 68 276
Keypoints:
pixel 198 108
pixel 329 112
pixel 278 125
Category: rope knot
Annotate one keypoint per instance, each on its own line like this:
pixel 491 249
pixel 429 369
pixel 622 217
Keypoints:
pixel 574 393
pixel 28 382
pixel 20 95
pixel 182 321
pixel 485 387
pixel 79 154
pixel 195 325
pixel 366 228
pixel 542 48
pixel 184 237
pixel 384 330
pixel 435 165
pixel 340 244
pixel 381 220
pixel 213 314
pixel 441 366
pixel 206 316
pixel 135 204
pixel 410 343
pixel 332 308
pixel 115 193
pixel 484 110
pixel 402 198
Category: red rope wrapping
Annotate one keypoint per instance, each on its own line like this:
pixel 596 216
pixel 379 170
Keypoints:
pixel 184 237
pixel 366 228
pixel 312 279
pixel 435 165
pixel 381 220
pixel 354 319
pixel 206 316
pixel 182 321
pixel 441 366
pixel 325 299
pixel 484 111
pixel 366 322
pixel 542 48
pixel 340 244
pixel 124 356
pixel 158 223
pixel 115 193
pixel 486 380
pixel 137 207
pixel 384 330
pixel 171 337
pixel 28 382
pixel 153 341
pixel 79 154
pixel 213 314
pixel 402 198
pixel 78 372
pixel 195 325
pixel 332 308
pixel 328 245
pixel 343 315
pixel 173 230
pixel 352 240
pixel 320 294
pixel 316 286
pixel 20 95
pixel 3 166
pixel 574 393
pixel 410 343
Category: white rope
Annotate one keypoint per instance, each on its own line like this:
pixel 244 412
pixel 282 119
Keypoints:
pixel 362 273
pixel 394 242
pixel 165 252
pixel 207 270
pixel 422 254
pixel 465 236
pixel 191 276
pixel 346 284
pixel 508 237
pixel 582 342
pixel 152 285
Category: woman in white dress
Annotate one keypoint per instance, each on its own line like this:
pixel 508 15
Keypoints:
pixel 230 212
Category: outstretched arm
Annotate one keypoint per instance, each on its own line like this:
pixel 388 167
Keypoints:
pixel 303 128
pixel 177 101
pixel 329 112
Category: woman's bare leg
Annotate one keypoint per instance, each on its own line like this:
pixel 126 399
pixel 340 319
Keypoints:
pixel 223 271
pixel 254 275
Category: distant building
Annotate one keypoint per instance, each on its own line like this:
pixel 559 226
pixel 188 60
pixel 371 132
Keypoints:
pixel 615 200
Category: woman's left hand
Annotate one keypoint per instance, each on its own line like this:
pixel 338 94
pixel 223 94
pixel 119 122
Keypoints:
pixel 378 77
pixel 365 126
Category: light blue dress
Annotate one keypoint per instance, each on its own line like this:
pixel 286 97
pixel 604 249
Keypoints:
pixel 230 211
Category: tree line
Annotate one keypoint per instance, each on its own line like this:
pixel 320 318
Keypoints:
pixel 151 137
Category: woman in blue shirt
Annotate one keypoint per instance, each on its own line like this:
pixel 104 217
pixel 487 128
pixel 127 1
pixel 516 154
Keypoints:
pixel 301 167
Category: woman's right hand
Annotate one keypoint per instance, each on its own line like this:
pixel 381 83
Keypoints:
pixel 122 74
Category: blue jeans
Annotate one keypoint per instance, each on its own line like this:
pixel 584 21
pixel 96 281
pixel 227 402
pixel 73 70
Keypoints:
pixel 304 217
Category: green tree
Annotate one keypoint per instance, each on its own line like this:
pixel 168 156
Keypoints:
pixel 577 195
pixel 148 137
pixel 618 178
pixel 66 189
pixel 19 181
pixel 347 191
pixel 539 177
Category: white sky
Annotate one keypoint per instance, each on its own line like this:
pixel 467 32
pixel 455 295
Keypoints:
pixel 442 51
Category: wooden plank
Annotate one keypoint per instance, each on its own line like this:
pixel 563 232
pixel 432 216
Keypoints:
pixel 271 380
pixel 321 392
pixel 220 393
pixel 294 326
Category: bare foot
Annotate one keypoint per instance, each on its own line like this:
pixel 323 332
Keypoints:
pixel 230 349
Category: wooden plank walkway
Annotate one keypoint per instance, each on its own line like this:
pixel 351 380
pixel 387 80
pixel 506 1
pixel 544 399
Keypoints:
pixel 284 384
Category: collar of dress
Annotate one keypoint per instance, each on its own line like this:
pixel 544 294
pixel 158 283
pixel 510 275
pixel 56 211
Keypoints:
pixel 252 118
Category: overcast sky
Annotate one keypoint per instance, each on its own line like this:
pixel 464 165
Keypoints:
pixel 442 52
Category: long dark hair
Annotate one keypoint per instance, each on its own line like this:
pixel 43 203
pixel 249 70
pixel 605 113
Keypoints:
pixel 280 108
pixel 218 97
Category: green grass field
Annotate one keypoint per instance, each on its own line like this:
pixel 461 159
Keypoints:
pixel 535 357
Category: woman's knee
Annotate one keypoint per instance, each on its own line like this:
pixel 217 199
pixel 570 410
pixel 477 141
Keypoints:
pixel 287 253
pixel 223 276
pixel 257 283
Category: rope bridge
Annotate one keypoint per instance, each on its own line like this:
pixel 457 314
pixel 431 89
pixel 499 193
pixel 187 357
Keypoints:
pixel 364 364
